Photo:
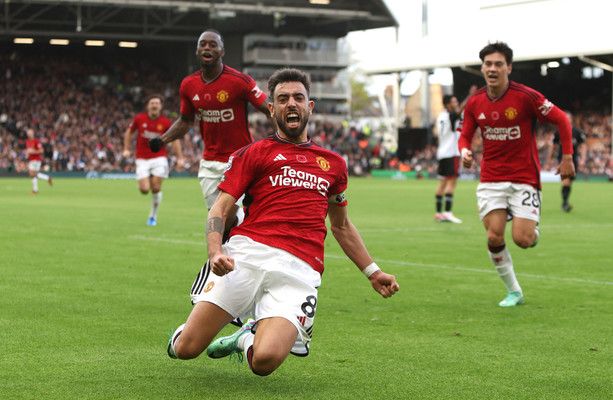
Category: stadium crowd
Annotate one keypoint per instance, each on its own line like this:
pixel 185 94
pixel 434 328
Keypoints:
pixel 80 110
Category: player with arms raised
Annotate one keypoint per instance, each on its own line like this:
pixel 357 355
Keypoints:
pixel 510 185
pixel 273 262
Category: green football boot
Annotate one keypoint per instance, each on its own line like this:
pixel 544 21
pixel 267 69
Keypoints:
pixel 512 299
pixel 227 345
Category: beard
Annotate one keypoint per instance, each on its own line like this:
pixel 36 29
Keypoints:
pixel 293 132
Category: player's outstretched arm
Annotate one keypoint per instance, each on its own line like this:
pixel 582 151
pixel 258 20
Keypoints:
pixel 566 169
pixel 176 146
pixel 384 284
pixel 348 237
pixel 176 131
pixel 220 263
pixel 127 143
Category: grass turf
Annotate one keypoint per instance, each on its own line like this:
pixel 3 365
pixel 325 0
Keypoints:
pixel 90 294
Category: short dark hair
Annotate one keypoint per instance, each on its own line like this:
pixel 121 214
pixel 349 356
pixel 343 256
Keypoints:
pixel 217 33
pixel 447 99
pixel 497 47
pixel 288 75
pixel 154 96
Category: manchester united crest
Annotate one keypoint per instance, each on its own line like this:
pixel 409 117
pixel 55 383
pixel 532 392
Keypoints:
pixel 323 163
pixel 222 96
pixel 209 287
pixel 510 113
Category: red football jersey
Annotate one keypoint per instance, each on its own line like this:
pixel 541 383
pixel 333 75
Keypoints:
pixel 507 126
pixel 34 144
pixel 148 129
pixel 287 187
pixel 220 107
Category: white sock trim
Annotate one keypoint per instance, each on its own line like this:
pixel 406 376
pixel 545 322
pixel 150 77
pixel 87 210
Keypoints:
pixel 245 341
pixel 175 336
pixel 156 200
pixel 504 266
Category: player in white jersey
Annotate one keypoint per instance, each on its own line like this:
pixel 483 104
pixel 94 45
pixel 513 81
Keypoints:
pixel 448 156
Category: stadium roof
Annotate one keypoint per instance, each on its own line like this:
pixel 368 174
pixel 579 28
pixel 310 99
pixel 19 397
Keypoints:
pixel 177 21
pixel 535 29
pixel 432 54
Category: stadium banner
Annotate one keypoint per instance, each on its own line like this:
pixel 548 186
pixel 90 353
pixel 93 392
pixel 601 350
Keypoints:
pixel 550 176
pixel 114 175
pixel 546 176
pixel 396 174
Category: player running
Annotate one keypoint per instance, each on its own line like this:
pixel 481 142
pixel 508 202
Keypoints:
pixel 34 152
pixel 217 97
pixel 151 167
pixel 510 185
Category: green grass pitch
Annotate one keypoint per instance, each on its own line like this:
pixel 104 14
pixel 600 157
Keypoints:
pixel 89 295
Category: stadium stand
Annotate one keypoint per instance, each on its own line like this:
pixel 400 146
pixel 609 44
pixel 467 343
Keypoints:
pixel 80 106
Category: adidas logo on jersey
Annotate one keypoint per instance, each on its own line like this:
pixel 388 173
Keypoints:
pixel 280 157
pixel 481 116
pixel 195 98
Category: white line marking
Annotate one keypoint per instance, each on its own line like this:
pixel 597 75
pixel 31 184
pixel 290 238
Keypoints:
pixel 434 228
pixel 580 226
pixel 177 241
pixel 484 271
pixel 455 227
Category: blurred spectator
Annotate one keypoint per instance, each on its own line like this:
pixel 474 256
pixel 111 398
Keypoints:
pixel 80 108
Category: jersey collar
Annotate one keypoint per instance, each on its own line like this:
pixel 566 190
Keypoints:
pixel 495 99
pixel 279 139
pixel 223 68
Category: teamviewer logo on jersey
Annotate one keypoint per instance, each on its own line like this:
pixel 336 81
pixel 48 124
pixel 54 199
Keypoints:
pixel 502 133
pixel 290 177
pixel 227 115
pixel 150 134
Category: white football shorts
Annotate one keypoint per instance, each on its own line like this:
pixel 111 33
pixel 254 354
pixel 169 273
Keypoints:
pixel 146 167
pixel 34 165
pixel 266 282
pixel 209 175
pixel 520 200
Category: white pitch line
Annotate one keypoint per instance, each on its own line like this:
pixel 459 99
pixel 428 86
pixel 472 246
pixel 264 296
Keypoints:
pixel 177 241
pixel 421 229
pixel 483 271
pixel 575 226
pixel 446 227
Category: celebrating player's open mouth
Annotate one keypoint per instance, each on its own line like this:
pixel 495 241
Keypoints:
pixel 293 120
pixel 293 124
pixel 492 78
